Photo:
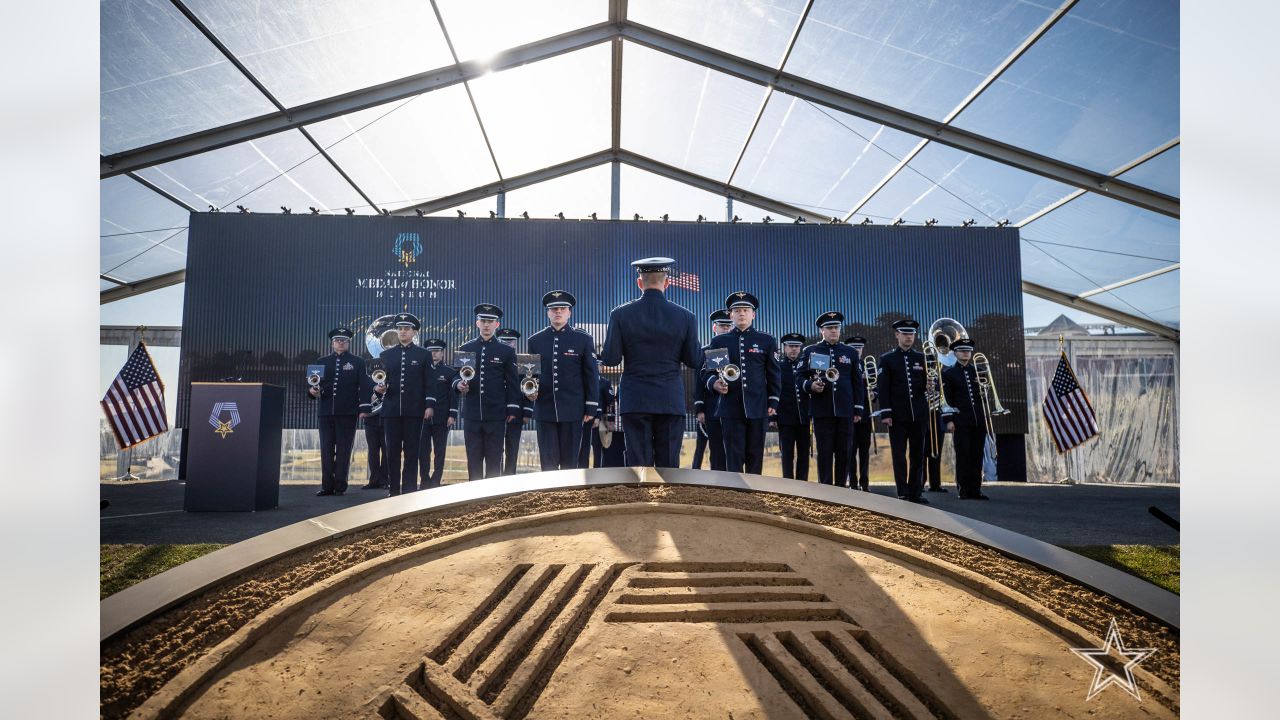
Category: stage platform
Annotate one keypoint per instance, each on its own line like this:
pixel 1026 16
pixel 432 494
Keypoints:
pixel 150 513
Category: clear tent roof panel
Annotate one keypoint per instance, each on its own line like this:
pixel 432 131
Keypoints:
pixel 923 57
pixel 135 221
pixel 652 196
pixel 482 28
pixel 1097 222
pixel 160 78
pixel 263 174
pixel 1157 298
pixel 952 186
pixel 158 259
pixel 305 50
pixel 577 195
pixel 1098 90
pixel 684 114
pixel 557 119
pixel 104 286
pixel 477 208
pixel 750 29
pixel 1074 271
pixel 817 158
pixel 400 154
pixel 1160 173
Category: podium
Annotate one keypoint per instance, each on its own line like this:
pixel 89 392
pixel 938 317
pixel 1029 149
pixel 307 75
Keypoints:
pixel 233 446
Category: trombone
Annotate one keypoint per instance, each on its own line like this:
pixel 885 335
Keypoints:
pixel 871 378
pixel 991 406
pixel 934 394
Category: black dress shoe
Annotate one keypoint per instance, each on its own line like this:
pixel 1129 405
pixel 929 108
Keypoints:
pixel 339 492
pixel 324 493
pixel 941 490
pixel 980 496
pixel 918 500
pixel 373 487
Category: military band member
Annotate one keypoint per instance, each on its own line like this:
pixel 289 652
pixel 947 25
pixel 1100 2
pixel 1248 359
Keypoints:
pixel 748 402
pixel 591 453
pixel 654 337
pixel 514 428
pixel 793 411
pixel 705 403
pixel 965 419
pixel 904 409
pixel 342 387
pixel 377 455
pixel 614 455
pixel 836 406
pixel 408 399
pixel 933 465
pixel 434 440
pixel 569 386
pixel 491 400
pixel 860 449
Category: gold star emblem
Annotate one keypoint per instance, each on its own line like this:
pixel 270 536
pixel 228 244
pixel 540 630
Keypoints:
pixel 224 429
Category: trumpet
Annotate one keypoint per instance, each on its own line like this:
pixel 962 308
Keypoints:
pixel 467 373
pixel 379 376
pixel 729 373
pixel 529 386
pixel 313 379
pixel 831 374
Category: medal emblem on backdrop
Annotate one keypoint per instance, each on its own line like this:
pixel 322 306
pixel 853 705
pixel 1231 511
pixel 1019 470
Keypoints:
pixel 407 248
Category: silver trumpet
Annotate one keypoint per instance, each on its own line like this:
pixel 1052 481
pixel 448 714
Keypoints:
pixel 831 374
pixel 379 376
pixel 729 373
pixel 529 384
pixel 313 379
pixel 467 373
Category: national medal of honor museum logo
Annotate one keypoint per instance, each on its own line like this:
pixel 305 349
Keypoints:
pixel 220 426
pixel 407 248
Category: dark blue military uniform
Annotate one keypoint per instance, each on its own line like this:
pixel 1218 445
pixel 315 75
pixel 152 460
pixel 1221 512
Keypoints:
pixel 514 428
pixel 752 397
pixel 654 337
pixel 901 393
pixel 964 395
pixel 793 414
pixel 568 389
pixel 377 456
pixel 590 452
pixel 836 405
pixel 410 391
pixel 494 395
pixel 860 447
pixel 434 440
pixel 711 433
pixel 342 387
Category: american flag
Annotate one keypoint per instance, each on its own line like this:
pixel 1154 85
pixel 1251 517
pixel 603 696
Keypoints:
pixel 1067 410
pixel 685 280
pixel 134 403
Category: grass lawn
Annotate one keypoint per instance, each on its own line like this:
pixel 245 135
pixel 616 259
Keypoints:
pixel 1157 564
pixel 124 565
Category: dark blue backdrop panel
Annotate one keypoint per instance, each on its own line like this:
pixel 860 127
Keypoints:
pixel 262 291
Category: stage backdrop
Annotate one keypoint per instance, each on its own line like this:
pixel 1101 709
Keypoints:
pixel 262 291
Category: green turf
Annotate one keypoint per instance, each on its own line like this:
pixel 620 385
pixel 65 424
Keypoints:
pixel 124 565
pixel 1157 564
